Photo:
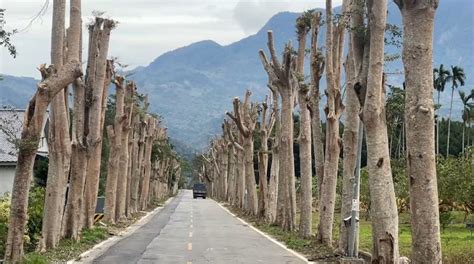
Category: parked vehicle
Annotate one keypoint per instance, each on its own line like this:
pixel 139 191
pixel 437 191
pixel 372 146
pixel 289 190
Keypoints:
pixel 199 190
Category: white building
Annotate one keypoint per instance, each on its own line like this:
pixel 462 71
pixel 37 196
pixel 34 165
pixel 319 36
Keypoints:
pixel 11 123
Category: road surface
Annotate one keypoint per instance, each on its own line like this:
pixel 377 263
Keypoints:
pixel 195 231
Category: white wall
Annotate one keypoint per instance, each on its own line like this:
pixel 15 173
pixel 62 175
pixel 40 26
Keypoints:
pixel 7 174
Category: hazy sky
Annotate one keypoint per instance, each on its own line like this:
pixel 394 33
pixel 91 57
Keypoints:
pixel 147 28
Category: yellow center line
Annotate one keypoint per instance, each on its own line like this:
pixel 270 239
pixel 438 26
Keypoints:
pixel 190 246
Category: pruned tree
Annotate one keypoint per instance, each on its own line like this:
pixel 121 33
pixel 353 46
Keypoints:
pixel 274 184
pixel 265 128
pixel 150 137
pixel 334 109
pixel 115 134
pixel 382 195
pixel 303 26
pixel 121 199
pixel 59 144
pixel 245 117
pixel 98 82
pixel 88 114
pixel 317 69
pixel 352 121
pixel 282 78
pixel 237 143
pixel 418 24
pixel 232 157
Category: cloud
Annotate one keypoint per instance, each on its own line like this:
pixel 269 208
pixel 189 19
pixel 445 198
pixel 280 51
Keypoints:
pixel 147 28
pixel 251 15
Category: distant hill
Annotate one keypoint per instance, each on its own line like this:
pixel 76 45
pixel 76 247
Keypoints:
pixel 192 86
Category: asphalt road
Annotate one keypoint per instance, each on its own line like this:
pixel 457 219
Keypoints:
pixel 195 231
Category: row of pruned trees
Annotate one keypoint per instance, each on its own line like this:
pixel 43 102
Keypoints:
pixel 141 165
pixel 229 163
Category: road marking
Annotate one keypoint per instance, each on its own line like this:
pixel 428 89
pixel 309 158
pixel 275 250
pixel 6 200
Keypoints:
pixel 191 226
pixel 298 255
pixel 190 246
pixel 191 220
pixel 190 262
pixel 190 234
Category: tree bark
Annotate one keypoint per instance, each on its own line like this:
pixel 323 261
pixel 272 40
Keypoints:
pixel 418 23
pixel 282 78
pixel 317 69
pixel 72 214
pixel 150 136
pixel 115 138
pixel 382 194
pixel 351 127
pixel 245 117
pixel 271 213
pixel 124 153
pixel 53 82
pixel 352 121
pixel 135 177
pixel 264 129
pixel 98 82
pixel 334 109
pixel 58 142
pixel 304 138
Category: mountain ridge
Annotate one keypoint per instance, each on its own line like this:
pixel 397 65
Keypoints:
pixel 192 86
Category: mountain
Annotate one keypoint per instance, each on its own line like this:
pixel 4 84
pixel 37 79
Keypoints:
pixel 193 86
pixel 16 91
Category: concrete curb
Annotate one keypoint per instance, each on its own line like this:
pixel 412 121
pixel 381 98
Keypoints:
pixel 99 249
pixel 298 255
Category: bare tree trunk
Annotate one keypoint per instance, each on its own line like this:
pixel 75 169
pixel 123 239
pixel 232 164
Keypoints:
pixel 354 72
pixel 304 138
pixel 124 155
pixel 382 194
pixel 351 127
pixel 150 136
pixel 271 213
pixel 58 142
pixel 72 213
pixel 281 77
pixel 265 130
pixel 115 138
pixel 98 80
pixel 334 41
pixel 418 23
pixel 135 172
pixel 317 68
pixel 53 82
pixel 245 117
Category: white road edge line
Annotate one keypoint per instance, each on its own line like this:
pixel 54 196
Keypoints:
pixel 265 235
pixel 108 243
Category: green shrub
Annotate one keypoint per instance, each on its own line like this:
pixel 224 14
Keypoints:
pixel 445 218
pixel 4 215
pixel 35 219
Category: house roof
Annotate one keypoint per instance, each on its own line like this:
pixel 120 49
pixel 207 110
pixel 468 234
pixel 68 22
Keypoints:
pixel 11 122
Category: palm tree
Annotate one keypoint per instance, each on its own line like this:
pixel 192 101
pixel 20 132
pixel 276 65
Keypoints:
pixel 457 79
pixel 469 115
pixel 466 112
pixel 440 77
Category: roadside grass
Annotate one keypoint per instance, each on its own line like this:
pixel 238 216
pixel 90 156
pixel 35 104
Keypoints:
pixel 457 243
pixel 69 249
